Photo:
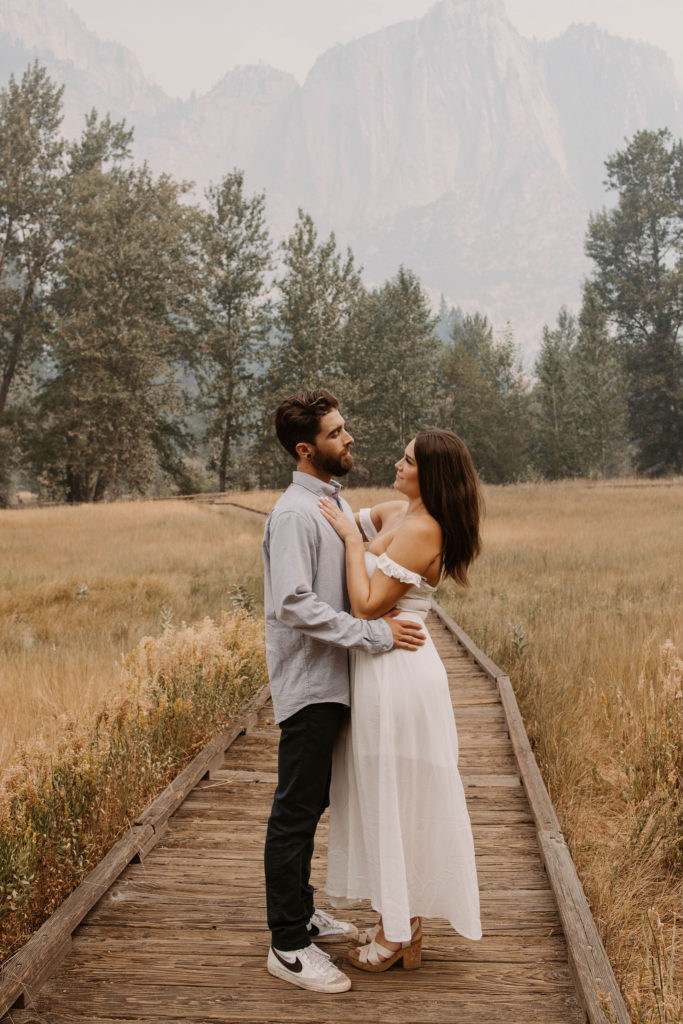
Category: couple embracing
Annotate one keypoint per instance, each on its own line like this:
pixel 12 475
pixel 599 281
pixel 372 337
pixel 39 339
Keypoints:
pixel 345 626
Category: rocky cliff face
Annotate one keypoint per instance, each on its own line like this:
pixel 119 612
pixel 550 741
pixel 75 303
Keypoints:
pixel 96 73
pixel 449 144
pixel 231 126
pixel 604 89
pixel 467 152
pixel 436 143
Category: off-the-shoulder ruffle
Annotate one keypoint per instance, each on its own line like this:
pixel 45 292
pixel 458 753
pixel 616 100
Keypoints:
pixel 398 572
pixel 367 524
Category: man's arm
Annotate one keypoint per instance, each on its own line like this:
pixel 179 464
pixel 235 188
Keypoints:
pixel 292 567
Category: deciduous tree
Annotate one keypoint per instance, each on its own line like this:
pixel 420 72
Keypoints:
pixel 109 409
pixel 31 168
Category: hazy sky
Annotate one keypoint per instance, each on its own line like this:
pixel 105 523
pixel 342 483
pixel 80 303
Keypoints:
pixel 190 44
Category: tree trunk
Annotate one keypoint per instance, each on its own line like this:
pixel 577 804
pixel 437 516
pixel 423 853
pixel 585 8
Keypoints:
pixel 74 490
pixel 11 366
pixel 17 344
pixel 103 478
pixel 225 454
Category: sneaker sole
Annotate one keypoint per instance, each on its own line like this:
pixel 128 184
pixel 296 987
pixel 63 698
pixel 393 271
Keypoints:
pixel 343 985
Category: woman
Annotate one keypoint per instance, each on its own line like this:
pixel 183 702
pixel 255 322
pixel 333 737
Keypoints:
pixel 399 830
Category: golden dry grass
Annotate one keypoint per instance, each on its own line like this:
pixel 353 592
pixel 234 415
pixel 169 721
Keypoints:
pixel 80 586
pixel 63 805
pixel 575 596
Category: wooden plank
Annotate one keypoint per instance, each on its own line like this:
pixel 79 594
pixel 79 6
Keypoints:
pixel 209 802
pixel 22 974
pixel 442 943
pixel 181 974
pixel 181 936
pixel 540 802
pixel 41 973
pixel 512 781
pixel 596 985
pixel 467 643
pixel 229 776
pixel 479 714
pixel 325 1011
pixel 591 968
pixel 493 873
pixel 406 998
pixel 147 847
pixel 171 891
pixel 161 809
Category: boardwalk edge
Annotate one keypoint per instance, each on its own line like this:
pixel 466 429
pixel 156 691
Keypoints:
pixel 31 966
pixel 596 986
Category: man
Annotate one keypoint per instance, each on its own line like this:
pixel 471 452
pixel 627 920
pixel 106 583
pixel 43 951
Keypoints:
pixel 308 633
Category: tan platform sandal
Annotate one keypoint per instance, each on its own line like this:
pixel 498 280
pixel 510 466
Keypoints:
pixel 369 934
pixel 375 957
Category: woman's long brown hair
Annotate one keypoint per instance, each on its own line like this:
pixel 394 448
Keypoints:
pixel 449 488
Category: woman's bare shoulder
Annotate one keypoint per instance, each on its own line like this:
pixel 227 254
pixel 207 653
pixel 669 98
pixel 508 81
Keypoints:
pixel 422 527
pixel 416 543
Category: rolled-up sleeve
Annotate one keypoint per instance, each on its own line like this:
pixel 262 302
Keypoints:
pixel 293 566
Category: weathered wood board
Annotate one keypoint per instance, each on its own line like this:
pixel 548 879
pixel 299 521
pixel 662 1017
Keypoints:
pixel 181 936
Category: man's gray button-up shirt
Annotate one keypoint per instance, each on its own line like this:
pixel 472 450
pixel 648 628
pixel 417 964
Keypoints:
pixel 308 626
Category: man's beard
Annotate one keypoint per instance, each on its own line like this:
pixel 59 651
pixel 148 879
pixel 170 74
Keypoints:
pixel 336 465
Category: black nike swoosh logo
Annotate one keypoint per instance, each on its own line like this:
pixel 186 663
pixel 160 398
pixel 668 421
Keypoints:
pixel 297 967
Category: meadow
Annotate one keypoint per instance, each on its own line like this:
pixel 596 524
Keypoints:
pixel 80 586
pixel 577 596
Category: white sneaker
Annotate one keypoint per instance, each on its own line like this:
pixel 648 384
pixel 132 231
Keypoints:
pixel 324 928
pixel 308 968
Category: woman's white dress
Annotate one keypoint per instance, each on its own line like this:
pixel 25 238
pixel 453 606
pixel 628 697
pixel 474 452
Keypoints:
pixel 400 833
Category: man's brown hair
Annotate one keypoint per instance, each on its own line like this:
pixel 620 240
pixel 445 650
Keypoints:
pixel 298 418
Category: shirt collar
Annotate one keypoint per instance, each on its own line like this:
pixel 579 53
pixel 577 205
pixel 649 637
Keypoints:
pixel 312 483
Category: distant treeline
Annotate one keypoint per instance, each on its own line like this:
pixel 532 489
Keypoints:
pixel 145 341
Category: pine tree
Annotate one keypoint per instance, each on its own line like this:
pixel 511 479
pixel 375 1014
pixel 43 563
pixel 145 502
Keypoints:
pixel 232 314
pixel 600 387
pixel 485 399
pixel 558 444
pixel 390 365
pixel 447 319
pixel 319 291
pixel 638 251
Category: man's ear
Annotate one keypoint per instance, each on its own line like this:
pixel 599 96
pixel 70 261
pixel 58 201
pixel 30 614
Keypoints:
pixel 303 450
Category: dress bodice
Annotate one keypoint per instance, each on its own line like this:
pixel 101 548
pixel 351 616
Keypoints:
pixel 419 598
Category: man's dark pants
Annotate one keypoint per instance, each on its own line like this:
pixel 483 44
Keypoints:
pixel 304 766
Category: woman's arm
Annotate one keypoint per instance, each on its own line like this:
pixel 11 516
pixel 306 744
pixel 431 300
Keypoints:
pixel 414 546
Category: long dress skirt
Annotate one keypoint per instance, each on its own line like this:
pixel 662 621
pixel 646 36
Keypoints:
pixel 400 833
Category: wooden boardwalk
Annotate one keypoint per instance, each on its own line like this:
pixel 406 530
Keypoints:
pixel 181 935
